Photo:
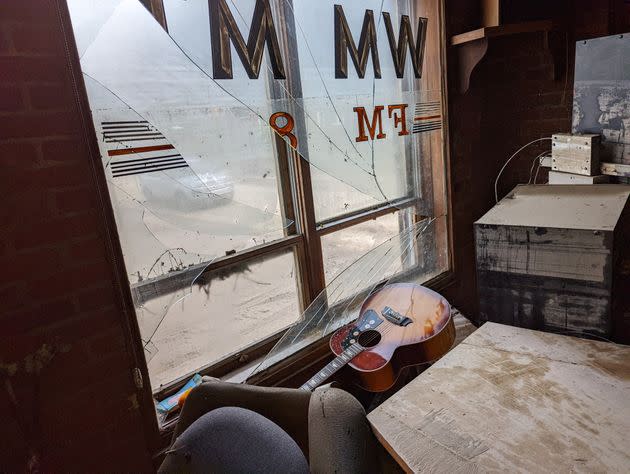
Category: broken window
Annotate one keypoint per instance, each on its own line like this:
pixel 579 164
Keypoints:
pixel 248 147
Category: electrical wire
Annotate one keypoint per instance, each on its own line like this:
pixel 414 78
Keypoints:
pixel 496 181
pixel 536 175
pixel 536 160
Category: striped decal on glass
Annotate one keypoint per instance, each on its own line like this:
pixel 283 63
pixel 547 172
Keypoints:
pixel 138 149
pixel 137 158
pixel 147 165
pixel 139 130
pixel 427 117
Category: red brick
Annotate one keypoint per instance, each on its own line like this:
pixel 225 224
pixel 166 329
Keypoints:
pixel 74 200
pixel 87 275
pixel 19 69
pixel 38 124
pixel 62 151
pixel 51 232
pixel 83 324
pixel 40 262
pixel 32 203
pixel 89 452
pixel 6 47
pixel 43 157
pixel 89 300
pixel 38 39
pixel 54 96
pixel 86 372
pixel 83 250
pixel 81 225
pixel 6 249
pixel 31 319
pixel 13 449
pixel 40 180
pixel 93 413
pixel 28 12
pixel 12 295
pixel 107 342
pixel 11 99
pixel 20 345
pixel 21 154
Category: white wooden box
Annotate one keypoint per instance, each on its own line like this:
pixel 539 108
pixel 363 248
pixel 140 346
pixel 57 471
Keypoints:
pixel 577 154
pixel 516 401
pixel 556 257
pixel 559 177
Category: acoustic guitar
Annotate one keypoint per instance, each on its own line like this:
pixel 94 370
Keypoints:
pixel 400 325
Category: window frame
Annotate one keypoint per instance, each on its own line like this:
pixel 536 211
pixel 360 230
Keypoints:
pixel 304 237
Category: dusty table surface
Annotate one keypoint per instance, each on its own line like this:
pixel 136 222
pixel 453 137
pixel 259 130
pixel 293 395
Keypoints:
pixel 515 400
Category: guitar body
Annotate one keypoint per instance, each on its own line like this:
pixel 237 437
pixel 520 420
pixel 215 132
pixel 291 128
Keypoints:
pixel 426 333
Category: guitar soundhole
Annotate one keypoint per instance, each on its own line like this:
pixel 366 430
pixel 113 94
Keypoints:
pixel 369 338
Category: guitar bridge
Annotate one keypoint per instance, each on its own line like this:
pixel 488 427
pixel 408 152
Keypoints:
pixel 395 317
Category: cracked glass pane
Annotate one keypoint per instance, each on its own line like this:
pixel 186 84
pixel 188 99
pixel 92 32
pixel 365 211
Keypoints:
pixel 410 256
pixel 185 190
pixel 345 246
pixel 188 120
pixel 169 81
pixel 247 302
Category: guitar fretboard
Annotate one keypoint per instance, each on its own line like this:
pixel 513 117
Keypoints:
pixel 333 366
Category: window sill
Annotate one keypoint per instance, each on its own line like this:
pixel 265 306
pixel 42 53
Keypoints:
pixel 290 372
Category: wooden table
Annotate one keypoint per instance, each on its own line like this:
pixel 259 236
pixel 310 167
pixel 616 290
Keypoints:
pixel 515 400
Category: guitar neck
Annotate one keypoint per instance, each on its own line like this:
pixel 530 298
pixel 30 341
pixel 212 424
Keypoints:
pixel 332 367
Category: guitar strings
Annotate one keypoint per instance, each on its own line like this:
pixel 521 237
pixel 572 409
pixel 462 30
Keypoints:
pixel 407 254
pixel 381 333
pixel 342 285
pixel 352 285
pixel 382 261
pixel 406 241
pixel 374 272
pixel 372 260
pixel 411 236
pixel 365 347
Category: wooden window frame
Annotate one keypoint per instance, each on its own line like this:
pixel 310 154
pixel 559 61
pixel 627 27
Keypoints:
pixel 300 365
pixel 304 240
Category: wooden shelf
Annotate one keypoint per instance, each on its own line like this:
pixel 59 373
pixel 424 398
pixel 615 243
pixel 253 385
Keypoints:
pixel 503 30
pixel 473 45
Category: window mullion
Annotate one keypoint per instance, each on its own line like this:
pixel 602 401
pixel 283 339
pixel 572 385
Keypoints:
pixel 309 256
pixel 314 261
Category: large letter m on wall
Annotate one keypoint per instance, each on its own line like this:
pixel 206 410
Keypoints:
pixel 223 28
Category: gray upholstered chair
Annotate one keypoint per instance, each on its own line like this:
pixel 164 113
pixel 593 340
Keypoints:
pixel 328 425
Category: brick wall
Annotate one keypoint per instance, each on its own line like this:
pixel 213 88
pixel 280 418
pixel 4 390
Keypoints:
pixel 521 90
pixel 68 400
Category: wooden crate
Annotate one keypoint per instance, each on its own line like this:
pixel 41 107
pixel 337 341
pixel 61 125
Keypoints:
pixel 555 258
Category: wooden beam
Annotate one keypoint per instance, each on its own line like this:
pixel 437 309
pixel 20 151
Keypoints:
pixel 156 7
pixel 504 30
pixel 615 169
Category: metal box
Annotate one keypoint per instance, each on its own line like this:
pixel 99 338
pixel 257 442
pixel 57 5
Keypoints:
pixel 557 258
pixel 601 94
pixel 578 154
